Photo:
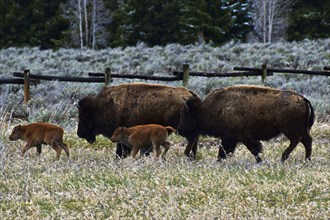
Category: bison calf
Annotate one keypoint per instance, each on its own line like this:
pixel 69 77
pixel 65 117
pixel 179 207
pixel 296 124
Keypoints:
pixel 140 136
pixel 36 134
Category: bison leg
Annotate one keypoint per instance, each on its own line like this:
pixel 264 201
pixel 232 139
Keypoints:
pixel 158 151
pixel 135 150
pixel 286 153
pixel 58 150
pixel 38 149
pixel 191 146
pixel 227 146
pixel 166 145
pixel 122 150
pixel 26 148
pixel 66 149
pixel 254 146
pixel 156 145
pixel 294 138
pixel 306 140
pixel 146 150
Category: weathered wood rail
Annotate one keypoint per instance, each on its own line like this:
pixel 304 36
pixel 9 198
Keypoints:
pixel 184 75
pixel 270 70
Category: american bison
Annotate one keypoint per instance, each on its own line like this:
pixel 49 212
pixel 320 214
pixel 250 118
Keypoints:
pixel 248 114
pixel 130 104
pixel 141 136
pixel 36 134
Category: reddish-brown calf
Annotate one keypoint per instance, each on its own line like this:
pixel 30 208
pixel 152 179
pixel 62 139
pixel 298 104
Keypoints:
pixel 140 136
pixel 36 134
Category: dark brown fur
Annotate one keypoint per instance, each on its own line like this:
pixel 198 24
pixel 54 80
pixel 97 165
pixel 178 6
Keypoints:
pixel 141 136
pixel 36 134
pixel 127 105
pixel 249 114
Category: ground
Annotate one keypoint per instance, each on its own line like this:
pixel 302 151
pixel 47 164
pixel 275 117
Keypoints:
pixel 95 185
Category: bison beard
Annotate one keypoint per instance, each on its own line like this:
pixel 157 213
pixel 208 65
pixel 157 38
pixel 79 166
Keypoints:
pixel 248 114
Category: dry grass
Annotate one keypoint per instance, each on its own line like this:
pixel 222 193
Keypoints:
pixel 94 185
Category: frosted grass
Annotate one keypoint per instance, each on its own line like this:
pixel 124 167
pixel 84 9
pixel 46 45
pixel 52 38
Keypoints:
pixel 299 55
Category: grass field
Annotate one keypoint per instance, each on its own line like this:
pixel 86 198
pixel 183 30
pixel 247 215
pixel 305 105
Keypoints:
pixel 94 185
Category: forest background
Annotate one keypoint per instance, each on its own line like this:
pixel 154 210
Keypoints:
pixel 99 24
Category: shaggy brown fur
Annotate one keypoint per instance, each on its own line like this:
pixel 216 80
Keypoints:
pixel 127 105
pixel 249 114
pixel 140 136
pixel 36 134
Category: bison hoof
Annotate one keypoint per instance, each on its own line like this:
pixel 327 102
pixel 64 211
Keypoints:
pixel 221 159
pixel 283 159
pixel 192 156
pixel 258 159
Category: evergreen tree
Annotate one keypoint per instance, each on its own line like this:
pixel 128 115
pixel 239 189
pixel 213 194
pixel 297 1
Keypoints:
pixel 172 21
pixel 242 16
pixel 119 21
pixel 205 21
pixel 151 21
pixel 13 23
pixel 310 19
pixel 31 23
pixel 218 21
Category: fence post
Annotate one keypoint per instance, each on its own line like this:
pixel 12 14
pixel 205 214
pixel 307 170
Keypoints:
pixel 185 76
pixel 263 73
pixel 26 86
pixel 107 76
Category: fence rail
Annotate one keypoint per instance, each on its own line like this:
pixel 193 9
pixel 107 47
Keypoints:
pixel 106 77
pixel 11 81
pixel 133 76
pixel 18 81
pixel 308 72
pixel 61 78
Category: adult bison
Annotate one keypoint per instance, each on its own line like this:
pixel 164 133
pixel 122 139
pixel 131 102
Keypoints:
pixel 248 114
pixel 128 105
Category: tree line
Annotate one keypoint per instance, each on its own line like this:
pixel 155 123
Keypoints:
pixel 112 23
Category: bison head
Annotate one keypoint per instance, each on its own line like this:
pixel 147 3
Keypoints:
pixel 15 134
pixel 96 116
pixel 118 135
pixel 86 124
pixel 189 118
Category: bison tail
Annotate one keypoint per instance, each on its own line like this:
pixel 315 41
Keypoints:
pixel 170 130
pixel 310 113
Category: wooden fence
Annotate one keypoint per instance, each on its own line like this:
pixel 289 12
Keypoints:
pixel 28 79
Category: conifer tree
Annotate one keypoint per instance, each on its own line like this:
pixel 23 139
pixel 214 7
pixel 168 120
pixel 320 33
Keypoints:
pixel 151 21
pixel 31 23
pixel 310 19
pixel 217 21
pixel 242 18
